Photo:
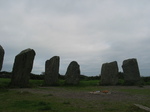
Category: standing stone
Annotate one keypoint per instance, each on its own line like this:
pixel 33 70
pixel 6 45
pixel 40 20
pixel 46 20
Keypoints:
pixel 72 76
pixel 1 56
pixel 109 73
pixel 22 68
pixel 52 71
pixel 131 71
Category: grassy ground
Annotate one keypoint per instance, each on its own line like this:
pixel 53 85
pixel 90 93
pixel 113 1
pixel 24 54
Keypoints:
pixel 72 98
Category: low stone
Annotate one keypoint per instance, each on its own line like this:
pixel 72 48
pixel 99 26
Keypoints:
pixel 147 109
pixel 22 68
pixel 109 73
pixel 2 52
pixel 131 71
pixel 72 76
pixel 52 71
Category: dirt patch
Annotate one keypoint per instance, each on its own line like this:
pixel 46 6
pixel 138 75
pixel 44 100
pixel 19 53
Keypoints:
pixel 115 95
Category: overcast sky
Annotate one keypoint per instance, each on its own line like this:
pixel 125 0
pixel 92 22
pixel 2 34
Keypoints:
pixel 91 32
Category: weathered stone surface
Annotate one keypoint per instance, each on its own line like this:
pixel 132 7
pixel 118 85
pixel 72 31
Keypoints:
pixel 72 76
pixel 22 67
pixel 109 73
pixel 131 70
pixel 52 71
pixel 1 56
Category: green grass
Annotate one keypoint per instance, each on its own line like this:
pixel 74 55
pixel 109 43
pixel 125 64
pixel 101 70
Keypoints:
pixel 89 83
pixel 34 103
pixel 4 82
pixel 36 83
pixel 19 100
pixel 27 102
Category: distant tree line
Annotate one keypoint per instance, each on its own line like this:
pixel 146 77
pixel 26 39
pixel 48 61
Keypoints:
pixel 5 74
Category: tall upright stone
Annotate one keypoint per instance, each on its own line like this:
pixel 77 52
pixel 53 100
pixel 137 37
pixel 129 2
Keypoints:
pixel 72 76
pixel 52 71
pixel 22 68
pixel 2 52
pixel 131 71
pixel 109 73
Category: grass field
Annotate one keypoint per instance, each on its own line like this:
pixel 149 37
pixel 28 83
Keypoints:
pixel 72 98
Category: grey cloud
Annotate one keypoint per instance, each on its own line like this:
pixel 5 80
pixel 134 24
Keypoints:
pixel 87 31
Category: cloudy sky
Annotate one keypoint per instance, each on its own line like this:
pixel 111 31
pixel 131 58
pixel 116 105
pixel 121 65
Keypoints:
pixel 91 32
